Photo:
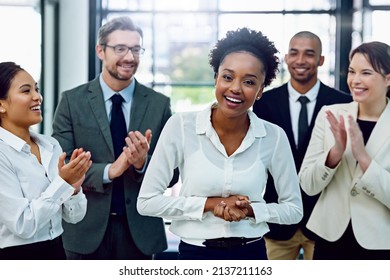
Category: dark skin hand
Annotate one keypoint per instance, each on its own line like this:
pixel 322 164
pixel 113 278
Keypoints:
pixel 232 209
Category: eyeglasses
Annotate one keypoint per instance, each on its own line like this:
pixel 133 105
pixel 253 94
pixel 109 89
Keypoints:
pixel 122 50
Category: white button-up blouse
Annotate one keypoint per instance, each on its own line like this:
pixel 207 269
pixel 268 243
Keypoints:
pixel 33 198
pixel 189 141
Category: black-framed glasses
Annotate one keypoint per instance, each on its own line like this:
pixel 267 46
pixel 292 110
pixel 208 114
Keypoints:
pixel 122 50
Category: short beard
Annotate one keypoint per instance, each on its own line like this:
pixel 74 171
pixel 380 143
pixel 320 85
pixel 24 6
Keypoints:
pixel 303 80
pixel 116 75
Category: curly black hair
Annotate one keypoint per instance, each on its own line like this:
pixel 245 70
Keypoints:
pixel 245 39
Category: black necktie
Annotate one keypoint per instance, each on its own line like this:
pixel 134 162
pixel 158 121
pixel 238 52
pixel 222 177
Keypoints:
pixel 302 121
pixel 118 134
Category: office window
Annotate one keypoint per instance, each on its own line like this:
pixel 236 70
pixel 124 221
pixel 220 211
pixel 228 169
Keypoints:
pixel 276 5
pixel 370 18
pixel 178 36
pixel 20 30
pixel 379 2
pixel 378 32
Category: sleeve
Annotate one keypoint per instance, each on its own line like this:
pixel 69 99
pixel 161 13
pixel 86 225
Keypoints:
pixel 314 174
pixel 289 209
pixel 63 132
pixel 75 208
pixel 166 157
pixel 24 217
pixel 375 182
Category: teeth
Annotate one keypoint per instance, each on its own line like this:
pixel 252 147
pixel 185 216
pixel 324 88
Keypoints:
pixel 300 69
pixel 127 66
pixel 358 90
pixel 36 108
pixel 233 99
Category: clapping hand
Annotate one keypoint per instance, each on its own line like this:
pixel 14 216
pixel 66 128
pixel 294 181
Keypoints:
pixel 337 126
pixel 134 153
pixel 340 135
pixel 357 144
pixel 137 148
pixel 74 171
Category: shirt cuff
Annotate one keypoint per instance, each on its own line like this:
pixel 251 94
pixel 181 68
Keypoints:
pixel 143 169
pixel 59 190
pixel 106 178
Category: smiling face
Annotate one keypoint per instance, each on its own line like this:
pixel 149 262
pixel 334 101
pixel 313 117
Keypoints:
pixel 366 85
pixel 115 68
pixel 238 83
pixel 22 107
pixel 303 59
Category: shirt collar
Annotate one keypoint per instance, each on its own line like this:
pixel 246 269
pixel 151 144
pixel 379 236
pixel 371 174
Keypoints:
pixel 311 94
pixel 127 93
pixel 18 144
pixel 203 123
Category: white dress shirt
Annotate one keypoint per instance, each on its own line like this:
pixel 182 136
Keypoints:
pixel 295 106
pixel 33 197
pixel 189 141
pixel 127 94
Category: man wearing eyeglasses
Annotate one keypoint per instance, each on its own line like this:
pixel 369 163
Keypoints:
pixel 113 116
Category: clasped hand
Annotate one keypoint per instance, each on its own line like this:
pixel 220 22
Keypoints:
pixel 134 153
pixel 74 171
pixel 233 208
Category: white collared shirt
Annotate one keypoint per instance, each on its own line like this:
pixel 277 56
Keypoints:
pixel 33 197
pixel 127 94
pixel 189 141
pixel 295 105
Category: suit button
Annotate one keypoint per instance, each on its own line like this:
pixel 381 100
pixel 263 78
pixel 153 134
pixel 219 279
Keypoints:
pixel 354 192
pixel 128 201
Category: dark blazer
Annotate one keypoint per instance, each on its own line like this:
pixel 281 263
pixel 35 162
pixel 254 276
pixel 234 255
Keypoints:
pixel 274 107
pixel 81 121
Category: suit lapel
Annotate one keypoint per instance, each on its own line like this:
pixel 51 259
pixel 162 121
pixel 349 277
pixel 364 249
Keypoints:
pixel 322 98
pixel 139 106
pixel 96 101
pixel 284 113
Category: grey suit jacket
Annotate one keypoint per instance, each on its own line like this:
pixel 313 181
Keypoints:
pixel 81 121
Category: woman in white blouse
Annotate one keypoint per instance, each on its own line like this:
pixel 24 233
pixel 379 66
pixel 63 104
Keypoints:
pixel 224 153
pixel 37 188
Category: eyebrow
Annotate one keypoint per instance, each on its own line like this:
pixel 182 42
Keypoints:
pixel 305 50
pixel 28 85
pixel 246 75
pixel 365 69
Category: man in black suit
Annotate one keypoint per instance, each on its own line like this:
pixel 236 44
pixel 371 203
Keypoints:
pixel 282 107
pixel 91 116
